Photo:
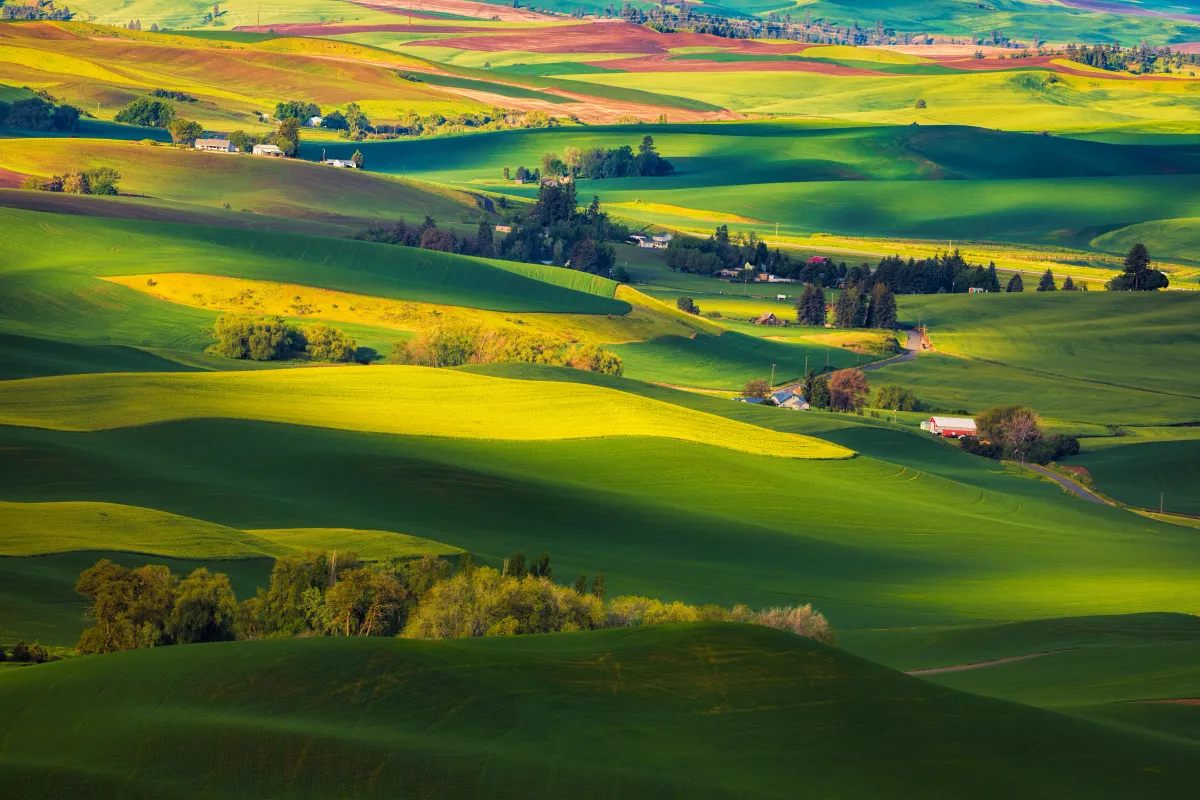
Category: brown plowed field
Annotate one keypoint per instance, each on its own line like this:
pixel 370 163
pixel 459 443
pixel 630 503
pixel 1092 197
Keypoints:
pixel 10 179
pixel 324 29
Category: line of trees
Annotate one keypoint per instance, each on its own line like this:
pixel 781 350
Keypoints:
pixel 322 593
pixel 727 251
pixel 1143 59
pixel 598 163
pixel 41 9
pixel 254 338
pixel 454 344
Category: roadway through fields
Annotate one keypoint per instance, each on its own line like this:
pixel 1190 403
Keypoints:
pixel 912 346
pixel 1070 486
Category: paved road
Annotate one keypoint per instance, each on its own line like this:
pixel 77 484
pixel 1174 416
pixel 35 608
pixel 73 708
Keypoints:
pixel 1070 486
pixel 911 347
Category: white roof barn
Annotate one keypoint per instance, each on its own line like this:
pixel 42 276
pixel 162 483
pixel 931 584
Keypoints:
pixel 267 150
pixel 215 145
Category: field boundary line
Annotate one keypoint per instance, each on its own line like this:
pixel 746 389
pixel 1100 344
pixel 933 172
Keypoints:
pixel 982 664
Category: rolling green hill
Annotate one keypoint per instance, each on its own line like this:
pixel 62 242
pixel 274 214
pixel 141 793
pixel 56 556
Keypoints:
pixel 463 718
pixel 1139 473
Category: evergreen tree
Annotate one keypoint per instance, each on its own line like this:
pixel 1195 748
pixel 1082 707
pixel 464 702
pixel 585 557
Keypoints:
pixel 1138 276
pixel 991 282
pixel 515 567
pixel 810 310
pixel 850 308
pixel 1015 284
pixel 1046 284
pixel 883 307
pixel 1068 285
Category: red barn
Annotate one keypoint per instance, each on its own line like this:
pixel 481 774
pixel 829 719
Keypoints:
pixel 952 427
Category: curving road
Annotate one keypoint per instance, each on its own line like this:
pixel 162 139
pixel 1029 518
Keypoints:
pixel 1070 486
pixel 911 347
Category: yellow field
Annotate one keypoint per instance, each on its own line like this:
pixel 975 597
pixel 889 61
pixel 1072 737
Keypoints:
pixel 873 54
pixel 647 320
pixel 31 529
pixel 411 401
pixel 680 211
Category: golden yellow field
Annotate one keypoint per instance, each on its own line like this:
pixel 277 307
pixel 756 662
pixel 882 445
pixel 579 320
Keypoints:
pixel 647 320
pixel 412 401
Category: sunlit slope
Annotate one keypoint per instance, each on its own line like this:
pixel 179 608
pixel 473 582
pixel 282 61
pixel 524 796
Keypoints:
pixel 428 716
pixel 415 401
pixel 31 529
pixel 948 540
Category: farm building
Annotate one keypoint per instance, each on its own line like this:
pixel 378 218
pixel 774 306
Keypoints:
pixel 768 319
pixel 314 122
pixel 345 163
pixel 657 241
pixel 951 427
pixel 268 150
pixel 791 399
pixel 502 228
pixel 215 145
pixel 752 400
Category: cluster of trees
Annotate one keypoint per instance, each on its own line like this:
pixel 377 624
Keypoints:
pixel 23 653
pixel 687 305
pixel 554 232
pixel 844 390
pixel 495 119
pixel 727 251
pixel 939 274
pixel 453 344
pixel 598 163
pixel 1138 276
pixel 297 109
pixel 101 180
pixel 147 112
pixel 1143 59
pixel 243 336
pixel 330 594
pixel 42 9
pixel 171 94
pixel 41 113
pixel 1014 432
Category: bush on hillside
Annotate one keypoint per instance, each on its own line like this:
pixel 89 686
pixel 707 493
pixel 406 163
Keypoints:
pixel 23 653
pixel 454 344
pixel 1138 276
pixel 254 338
pixel 1014 431
pixel 147 113
pixel 185 131
pixel 325 343
pixel 848 390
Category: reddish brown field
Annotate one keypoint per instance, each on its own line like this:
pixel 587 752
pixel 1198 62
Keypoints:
pixel 10 179
pixel 1187 47
pixel 327 29
pixel 663 63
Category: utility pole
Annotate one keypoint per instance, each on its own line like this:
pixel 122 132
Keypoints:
pixel 806 366
pixel 773 378
pixel 1160 502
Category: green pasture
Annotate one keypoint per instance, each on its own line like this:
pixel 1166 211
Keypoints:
pixel 414 714
pixel 502 89
pixel 26 357
pixel 1176 239
pixel 190 13
pixel 949 383
pixel 963 539
pixel 1146 474
pixel 1144 341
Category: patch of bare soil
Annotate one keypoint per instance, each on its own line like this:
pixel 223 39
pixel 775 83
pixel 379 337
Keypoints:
pixel 324 29
pixel 593 110
pixel 667 63
pixel 10 179
pixel 1183 701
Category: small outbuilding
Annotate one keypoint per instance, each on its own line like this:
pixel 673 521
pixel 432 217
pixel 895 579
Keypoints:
pixel 344 163
pixel 502 228
pixel 952 427
pixel 768 319
pixel 790 399
pixel 268 150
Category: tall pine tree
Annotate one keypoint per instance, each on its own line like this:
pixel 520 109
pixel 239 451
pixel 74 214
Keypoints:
pixel 1046 284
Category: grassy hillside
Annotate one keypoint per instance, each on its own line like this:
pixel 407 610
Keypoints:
pixel 435 402
pixel 802 714
pixel 963 540
pixel 350 199
pixel 32 529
